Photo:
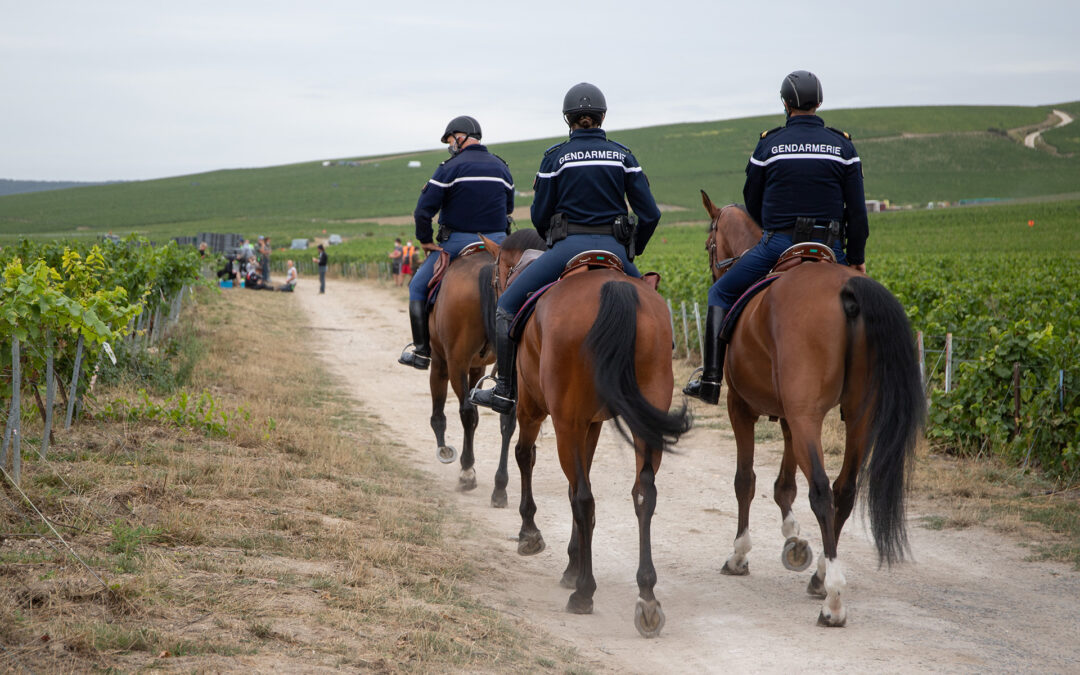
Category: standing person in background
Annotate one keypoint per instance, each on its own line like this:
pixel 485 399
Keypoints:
pixel 407 253
pixel 322 261
pixel 396 258
pixel 264 257
pixel 473 193
pixel 247 251
pixel 804 182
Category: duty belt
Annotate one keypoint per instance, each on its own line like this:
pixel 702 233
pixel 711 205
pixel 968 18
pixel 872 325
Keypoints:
pixel 805 229
pixel 574 228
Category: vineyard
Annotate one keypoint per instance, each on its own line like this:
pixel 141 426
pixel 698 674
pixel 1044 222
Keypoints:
pixel 66 310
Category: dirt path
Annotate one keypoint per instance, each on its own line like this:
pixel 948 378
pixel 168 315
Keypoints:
pixel 1031 138
pixel 969 604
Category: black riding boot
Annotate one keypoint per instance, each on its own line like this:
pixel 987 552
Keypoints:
pixel 420 356
pixel 502 397
pixel 707 388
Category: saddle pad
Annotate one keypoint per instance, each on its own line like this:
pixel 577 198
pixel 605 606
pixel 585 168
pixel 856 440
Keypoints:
pixel 517 326
pixel 728 328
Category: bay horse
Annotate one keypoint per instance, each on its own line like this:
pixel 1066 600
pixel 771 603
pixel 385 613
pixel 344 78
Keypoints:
pixel 598 346
pixel 461 328
pixel 819 336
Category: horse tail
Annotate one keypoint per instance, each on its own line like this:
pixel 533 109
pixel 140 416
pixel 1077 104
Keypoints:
pixel 896 407
pixel 612 343
pixel 488 301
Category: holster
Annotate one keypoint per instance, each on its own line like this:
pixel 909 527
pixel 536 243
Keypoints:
pixel 557 229
pixel 444 234
pixel 833 231
pixel 624 229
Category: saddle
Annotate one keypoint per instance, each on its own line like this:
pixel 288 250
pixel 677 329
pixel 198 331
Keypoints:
pixel 791 258
pixel 582 262
pixel 442 263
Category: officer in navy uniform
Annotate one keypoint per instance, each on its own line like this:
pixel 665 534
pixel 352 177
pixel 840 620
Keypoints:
pixel 802 170
pixel 473 193
pixel 581 192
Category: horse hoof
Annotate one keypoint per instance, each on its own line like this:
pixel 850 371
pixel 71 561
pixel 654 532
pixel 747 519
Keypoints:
pixel 530 544
pixel 446 454
pixel 733 571
pixel 831 621
pixel 816 587
pixel 467 481
pixel 578 604
pixel 797 554
pixel 498 499
pixel 569 579
pixel 648 618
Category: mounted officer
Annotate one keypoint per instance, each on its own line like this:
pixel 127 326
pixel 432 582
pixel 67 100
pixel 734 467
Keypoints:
pixel 581 192
pixel 804 182
pixel 473 193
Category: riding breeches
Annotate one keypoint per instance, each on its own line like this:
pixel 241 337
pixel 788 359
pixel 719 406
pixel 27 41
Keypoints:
pixel 550 265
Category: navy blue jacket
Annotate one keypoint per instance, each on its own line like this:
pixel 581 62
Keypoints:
pixel 586 178
pixel 806 169
pixel 472 191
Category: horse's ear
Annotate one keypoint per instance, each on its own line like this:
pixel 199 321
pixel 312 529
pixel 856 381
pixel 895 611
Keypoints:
pixel 709 206
pixel 490 246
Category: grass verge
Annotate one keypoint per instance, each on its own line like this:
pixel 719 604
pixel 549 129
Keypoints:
pixel 284 536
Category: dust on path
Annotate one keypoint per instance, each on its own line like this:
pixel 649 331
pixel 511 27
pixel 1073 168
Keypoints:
pixel 969 604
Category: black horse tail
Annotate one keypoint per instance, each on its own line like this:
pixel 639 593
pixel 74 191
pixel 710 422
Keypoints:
pixel 611 342
pixel 488 302
pixel 897 410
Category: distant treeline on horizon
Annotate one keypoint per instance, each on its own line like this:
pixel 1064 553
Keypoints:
pixel 14 187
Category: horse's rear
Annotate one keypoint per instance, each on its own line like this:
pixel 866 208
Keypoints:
pixel 824 335
pixel 598 346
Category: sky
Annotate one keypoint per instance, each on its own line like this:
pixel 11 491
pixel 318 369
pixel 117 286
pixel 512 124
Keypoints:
pixel 131 90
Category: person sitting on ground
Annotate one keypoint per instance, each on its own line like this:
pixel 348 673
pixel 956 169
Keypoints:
pixel 290 278
pixel 255 282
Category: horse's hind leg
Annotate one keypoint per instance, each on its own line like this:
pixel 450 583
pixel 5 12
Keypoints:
pixel 648 616
pixel 806 444
pixel 437 381
pixel 461 379
pixel 797 554
pixel 573 549
pixel 844 490
pixel 743 420
pixel 530 542
pixel 575 457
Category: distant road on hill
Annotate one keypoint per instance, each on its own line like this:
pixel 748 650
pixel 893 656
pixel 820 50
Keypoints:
pixel 1030 139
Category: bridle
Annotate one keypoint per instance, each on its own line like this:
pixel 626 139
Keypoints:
pixel 719 267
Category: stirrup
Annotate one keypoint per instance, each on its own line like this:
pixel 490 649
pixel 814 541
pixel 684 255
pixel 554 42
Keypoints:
pixel 489 399
pixel 411 358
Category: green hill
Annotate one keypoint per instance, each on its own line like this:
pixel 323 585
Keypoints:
pixel 910 155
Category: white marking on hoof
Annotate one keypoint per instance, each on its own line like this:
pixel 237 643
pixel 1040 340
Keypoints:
pixel 737 562
pixel 833 612
pixel 468 475
pixel 790 528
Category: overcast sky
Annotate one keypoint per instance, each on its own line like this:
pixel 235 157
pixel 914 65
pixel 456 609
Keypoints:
pixel 114 89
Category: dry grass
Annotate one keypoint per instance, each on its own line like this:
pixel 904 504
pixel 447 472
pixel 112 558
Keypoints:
pixel 297 542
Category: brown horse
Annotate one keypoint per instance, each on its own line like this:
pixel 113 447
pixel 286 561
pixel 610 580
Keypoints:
pixel 821 335
pixel 598 346
pixel 462 325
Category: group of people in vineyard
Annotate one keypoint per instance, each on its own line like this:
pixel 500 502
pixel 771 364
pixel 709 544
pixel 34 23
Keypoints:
pixel 250 268
pixel 804 182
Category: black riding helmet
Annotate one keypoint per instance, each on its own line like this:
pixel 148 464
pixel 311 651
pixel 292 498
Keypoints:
pixel 584 99
pixel 462 125
pixel 801 90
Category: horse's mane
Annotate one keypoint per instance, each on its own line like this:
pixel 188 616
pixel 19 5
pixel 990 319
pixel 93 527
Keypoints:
pixel 521 240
